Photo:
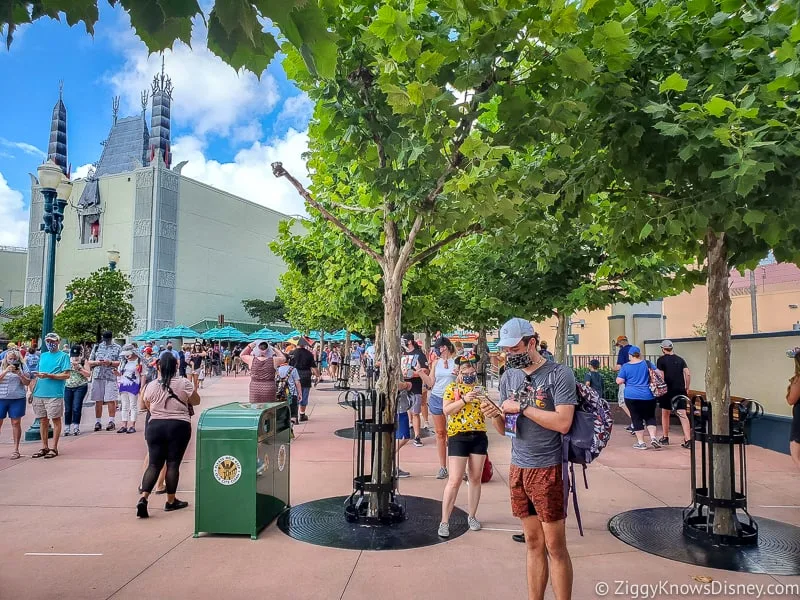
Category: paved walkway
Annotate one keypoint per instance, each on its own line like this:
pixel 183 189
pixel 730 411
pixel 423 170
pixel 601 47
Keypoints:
pixel 81 505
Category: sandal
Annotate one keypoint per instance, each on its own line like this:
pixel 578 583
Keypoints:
pixel 41 453
pixel 15 455
pixel 53 453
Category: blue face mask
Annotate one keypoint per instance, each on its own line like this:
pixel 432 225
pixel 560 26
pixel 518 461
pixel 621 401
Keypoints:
pixel 52 346
pixel 469 379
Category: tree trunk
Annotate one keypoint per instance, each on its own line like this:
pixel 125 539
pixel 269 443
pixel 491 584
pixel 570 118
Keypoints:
pixel 561 336
pixel 427 346
pixel 346 346
pixel 387 386
pixel 718 361
pixel 482 350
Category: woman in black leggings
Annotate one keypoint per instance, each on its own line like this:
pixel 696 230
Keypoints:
pixel 168 431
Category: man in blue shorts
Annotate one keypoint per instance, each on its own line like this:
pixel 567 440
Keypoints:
pixel 403 432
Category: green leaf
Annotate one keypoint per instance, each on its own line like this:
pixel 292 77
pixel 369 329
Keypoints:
pixel 397 98
pixel 574 64
pixel 251 49
pixel 158 30
pixel 673 83
pixel 670 129
pixel 428 64
pixel 611 37
pixel 754 217
pixel 646 231
pixel 718 105
pixel 474 146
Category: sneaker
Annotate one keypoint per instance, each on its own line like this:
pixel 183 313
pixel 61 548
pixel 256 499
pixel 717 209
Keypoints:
pixel 131 430
pixel 417 442
pixel 122 429
pixel 686 444
pixel 400 474
pixel 76 431
pixel 444 530
pixel 141 509
pixel 110 426
pixel 655 444
pixel 640 446
pixel 67 431
pixel 629 428
pixel 663 440
pixel 303 417
pixel 177 505
pixel 474 524
pixel 442 473
pixel 98 426
pixel 519 537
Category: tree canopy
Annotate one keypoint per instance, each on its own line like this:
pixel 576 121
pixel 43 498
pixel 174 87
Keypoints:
pixel 99 302
pixel 265 311
pixel 25 324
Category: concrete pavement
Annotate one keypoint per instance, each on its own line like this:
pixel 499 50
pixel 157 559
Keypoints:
pixel 68 527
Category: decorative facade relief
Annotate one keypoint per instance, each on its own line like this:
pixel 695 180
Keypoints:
pixel 168 230
pixel 162 323
pixel 36 239
pixel 169 180
pixel 33 284
pixel 166 278
pixel 139 326
pixel 141 227
pixel 139 276
pixel 144 178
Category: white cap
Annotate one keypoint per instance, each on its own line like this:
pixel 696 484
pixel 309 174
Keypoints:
pixel 667 344
pixel 513 331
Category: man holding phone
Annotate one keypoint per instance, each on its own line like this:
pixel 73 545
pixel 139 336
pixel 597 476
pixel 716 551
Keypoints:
pixel 103 361
pixel 48 394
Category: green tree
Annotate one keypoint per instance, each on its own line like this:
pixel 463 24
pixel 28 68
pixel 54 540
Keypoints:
pixel 694 122
pixel 100 302
pixel 25 324
pixel 265 311
pixel 235 27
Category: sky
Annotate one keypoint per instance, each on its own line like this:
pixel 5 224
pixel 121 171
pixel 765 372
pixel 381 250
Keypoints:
pixel 230 126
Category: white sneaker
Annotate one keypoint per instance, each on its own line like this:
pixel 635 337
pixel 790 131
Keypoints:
pixel 474 524
pixel 444 530
pixel 76 430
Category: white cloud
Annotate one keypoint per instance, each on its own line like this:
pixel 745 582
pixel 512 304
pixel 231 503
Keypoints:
pixel 81 171
pixel 296 111
pixel 24 146
pixel 250 174
pixel 13 216
pixel 209 96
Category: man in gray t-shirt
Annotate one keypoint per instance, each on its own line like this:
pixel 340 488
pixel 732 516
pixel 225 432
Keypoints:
pixel 541 396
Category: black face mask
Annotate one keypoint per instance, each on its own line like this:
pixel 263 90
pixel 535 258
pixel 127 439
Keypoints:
pixel 518 361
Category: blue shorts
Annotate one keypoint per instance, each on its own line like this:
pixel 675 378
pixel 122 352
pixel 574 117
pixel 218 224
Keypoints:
pixel 435 404
pixel 12 409
pixel 403 430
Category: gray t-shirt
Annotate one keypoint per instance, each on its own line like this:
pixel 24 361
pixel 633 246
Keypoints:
pixel 535 447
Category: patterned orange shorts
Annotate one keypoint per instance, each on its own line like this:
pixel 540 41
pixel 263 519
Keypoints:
pixel 537 492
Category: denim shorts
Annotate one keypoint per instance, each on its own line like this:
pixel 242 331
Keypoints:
pixel 416 403
pixel 435 404
pixel 12 409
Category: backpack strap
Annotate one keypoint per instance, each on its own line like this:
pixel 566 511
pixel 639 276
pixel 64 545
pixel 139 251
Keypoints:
pixel 575 497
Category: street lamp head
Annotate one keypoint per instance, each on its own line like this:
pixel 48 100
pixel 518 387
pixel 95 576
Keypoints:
pixel 64 189
pixel 113 258
pixel 50 175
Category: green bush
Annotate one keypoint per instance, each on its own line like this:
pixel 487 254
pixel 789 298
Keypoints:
pixel 610 386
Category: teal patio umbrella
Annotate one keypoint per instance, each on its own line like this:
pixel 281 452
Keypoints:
pixel 211 334
pixel 265 333
pixel 181 331
pixel 145 336
pixel 229 334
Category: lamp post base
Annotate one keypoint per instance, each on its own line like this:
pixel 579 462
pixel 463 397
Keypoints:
pixel 34 433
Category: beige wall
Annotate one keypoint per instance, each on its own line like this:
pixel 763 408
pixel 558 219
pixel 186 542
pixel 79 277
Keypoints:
pixel 593 338
pixel 759 367
pixel 13 262
pixel 223 253
pixel 117 193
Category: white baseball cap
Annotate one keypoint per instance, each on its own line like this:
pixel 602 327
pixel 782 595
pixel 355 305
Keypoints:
pixel 513 331
pixel 666 344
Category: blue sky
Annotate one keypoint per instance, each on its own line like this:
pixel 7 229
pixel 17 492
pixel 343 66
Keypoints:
pixel 228 126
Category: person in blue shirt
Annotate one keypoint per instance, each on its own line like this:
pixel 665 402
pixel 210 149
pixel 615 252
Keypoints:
pixel 623 356
pixel 48 395
pixel 635 376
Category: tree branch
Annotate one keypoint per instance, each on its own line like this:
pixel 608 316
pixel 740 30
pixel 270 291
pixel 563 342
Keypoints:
pixel 360 209
pixel 433 249
pixel 279 171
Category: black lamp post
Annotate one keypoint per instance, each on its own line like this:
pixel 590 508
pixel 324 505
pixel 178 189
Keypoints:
pixel 56 189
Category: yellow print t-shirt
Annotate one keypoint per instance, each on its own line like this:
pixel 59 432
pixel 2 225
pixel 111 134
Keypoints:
pixel 469 418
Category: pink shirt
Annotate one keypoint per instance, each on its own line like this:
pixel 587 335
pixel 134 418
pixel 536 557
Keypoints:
pixel 164 406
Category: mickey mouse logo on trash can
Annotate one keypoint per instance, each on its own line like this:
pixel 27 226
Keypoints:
pixel 281 457
pixel 227 470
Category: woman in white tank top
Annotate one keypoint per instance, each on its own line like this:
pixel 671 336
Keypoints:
pixel 443 373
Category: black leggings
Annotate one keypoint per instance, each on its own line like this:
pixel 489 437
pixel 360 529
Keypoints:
pixel 167 440
pixel 643 412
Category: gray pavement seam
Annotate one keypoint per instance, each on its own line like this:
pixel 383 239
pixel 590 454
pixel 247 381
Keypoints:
pixel 646 491
pixel 124 585
pixel 347 583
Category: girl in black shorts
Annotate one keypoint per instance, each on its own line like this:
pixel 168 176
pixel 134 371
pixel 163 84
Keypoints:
pixel 467 442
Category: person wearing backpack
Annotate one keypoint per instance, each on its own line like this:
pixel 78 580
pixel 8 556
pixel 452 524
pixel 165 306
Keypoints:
pixel 288 385
pixel 635 376
pixel 542 394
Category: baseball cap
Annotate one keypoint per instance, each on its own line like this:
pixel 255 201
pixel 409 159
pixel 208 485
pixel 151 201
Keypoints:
pixel 513 331
pixel 634 350
pixel 442 342
pixel 303 342
pixel 622 338
pixel 52 336
pixel 666 344
pixel 148 350
pixel 75 351
pixel 107 335
pixel 408 337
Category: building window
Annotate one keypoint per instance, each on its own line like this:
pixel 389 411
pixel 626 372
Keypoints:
pixel 91 232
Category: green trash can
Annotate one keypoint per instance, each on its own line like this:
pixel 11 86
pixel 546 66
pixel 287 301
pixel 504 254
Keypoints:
pixel 242 461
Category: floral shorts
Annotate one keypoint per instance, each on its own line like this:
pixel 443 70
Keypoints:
pixel 538 492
